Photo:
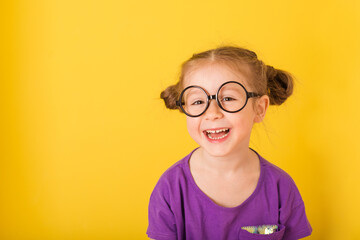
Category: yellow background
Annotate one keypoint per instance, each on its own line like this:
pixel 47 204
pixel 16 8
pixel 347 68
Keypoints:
pixel 85 136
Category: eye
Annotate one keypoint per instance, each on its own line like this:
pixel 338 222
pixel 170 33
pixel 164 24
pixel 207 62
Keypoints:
pixel 226 99
pixel 198 102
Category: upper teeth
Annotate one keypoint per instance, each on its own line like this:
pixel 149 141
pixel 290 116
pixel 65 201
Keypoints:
pixel 217 131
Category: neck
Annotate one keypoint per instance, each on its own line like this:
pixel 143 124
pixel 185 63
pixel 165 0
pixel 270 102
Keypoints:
pixel 229 165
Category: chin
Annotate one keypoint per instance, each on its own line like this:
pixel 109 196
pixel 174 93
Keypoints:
pixel 216 151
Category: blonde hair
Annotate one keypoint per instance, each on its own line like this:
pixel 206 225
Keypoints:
pixel 265 80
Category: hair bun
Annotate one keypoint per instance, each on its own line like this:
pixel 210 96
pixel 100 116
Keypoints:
pixel 170 96
pixel 279 84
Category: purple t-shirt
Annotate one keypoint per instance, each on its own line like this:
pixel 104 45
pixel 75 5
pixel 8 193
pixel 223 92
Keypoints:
pixel 178 209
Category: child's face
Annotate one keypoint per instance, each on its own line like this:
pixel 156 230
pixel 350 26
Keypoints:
pixel 210 77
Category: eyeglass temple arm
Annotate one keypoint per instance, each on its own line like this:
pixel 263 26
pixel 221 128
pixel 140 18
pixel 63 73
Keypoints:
pixel 252 94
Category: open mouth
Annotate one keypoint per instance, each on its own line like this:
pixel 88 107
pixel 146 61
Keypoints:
pixel 217 134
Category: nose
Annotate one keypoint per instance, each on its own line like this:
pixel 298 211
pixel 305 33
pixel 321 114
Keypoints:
pixel 214 111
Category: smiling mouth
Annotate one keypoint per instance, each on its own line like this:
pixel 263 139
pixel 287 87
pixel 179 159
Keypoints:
pixel 217 134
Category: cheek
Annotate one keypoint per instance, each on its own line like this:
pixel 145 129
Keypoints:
pixel 243 123
pixel 193 127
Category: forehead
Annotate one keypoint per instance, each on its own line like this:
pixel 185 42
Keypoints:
pixel 211 76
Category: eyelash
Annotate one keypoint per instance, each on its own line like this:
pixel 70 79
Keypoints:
pixel 197 102
pixel 229 99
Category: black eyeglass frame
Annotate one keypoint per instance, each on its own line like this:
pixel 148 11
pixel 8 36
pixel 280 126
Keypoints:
pixel 211 97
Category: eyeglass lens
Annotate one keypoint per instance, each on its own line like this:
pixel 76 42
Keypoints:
pixel 231 96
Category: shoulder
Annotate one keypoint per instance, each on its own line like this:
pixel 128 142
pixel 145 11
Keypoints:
pixel 275 173
pixel 282 181
pixel 175 171
pixel 173 178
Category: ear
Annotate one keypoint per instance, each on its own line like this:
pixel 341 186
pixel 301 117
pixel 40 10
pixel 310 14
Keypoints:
pixel 261 106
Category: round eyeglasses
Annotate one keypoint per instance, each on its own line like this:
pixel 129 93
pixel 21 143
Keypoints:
pixel 231 97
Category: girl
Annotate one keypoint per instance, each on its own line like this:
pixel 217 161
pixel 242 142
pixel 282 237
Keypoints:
pixel 223 189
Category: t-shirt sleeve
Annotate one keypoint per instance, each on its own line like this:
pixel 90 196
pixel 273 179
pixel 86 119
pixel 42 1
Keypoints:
pixel 293 215
pixel 161 218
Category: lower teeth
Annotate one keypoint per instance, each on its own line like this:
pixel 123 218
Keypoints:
pixel 216 138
